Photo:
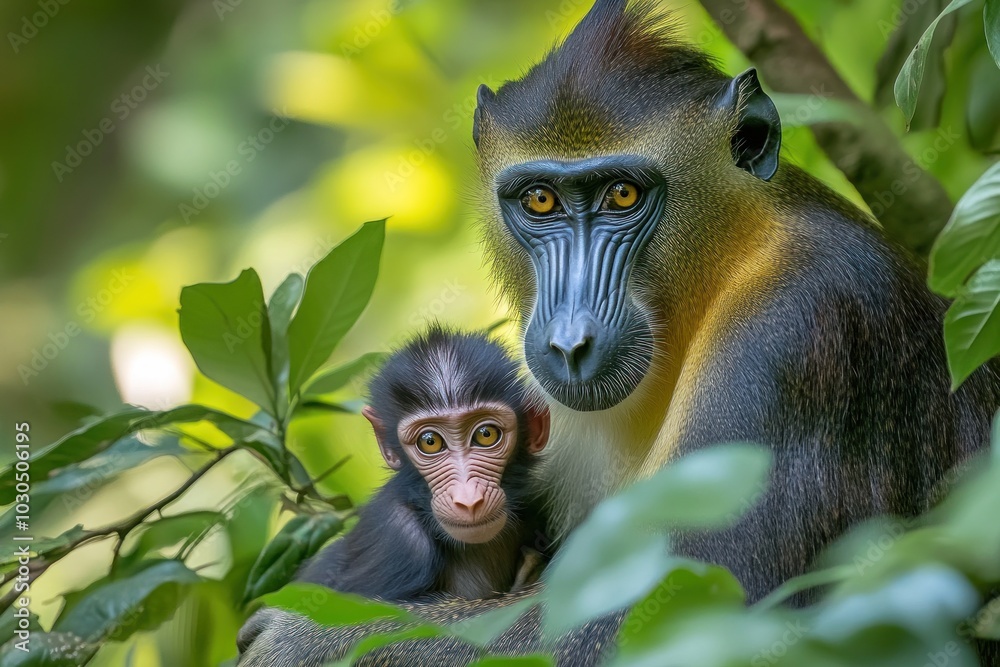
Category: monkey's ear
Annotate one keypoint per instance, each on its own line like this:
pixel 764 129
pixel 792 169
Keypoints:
pixel 484 96
pixel 388 453
pixel 757 139
pixel 538 428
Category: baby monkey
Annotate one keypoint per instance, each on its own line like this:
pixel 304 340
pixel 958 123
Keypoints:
pixel 455 422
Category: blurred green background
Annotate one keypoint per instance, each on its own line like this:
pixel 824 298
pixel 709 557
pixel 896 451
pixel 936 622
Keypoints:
pixel 145 146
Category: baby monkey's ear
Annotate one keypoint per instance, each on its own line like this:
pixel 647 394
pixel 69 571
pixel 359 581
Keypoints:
pixel 390 455
pixel 538 427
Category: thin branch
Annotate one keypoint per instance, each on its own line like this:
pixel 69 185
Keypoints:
pixel 40 565
pixel 909 202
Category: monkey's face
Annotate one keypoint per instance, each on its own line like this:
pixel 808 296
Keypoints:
pixel 583 223
pixel 462 454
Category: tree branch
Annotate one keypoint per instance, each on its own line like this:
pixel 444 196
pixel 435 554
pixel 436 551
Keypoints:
pixel 41 564
pixel 909 202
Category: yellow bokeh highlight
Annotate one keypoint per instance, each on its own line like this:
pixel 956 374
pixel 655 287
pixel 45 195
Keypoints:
pixel 129 283
pixel 314 87
pixel 408 183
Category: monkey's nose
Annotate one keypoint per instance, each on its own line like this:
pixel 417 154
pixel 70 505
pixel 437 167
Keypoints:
pixel 469 498
pixel 573 341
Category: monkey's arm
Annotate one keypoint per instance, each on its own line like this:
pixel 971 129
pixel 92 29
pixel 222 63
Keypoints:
pixel 388 555
pixel 532 565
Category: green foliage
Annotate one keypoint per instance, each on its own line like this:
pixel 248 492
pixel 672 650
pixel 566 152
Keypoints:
pixel 991 16
pixel 337 290
pixel 913 597
pixel 972 325
pixel 226 329
pixel 139 601
pixel 965 264
pixel 298 540
pixel 620 551
pixel 337 378
pixel 76 446
pixel 244 344
pixel 911 75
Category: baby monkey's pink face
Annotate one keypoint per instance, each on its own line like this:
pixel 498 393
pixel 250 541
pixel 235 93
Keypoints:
pixel 462 454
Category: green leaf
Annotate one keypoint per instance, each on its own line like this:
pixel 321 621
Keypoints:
pixel 597 577
pixel 982 107
pixel 971 238
pixel 10 624
pixel 9 548
pixel 332 608
pixel 236 428
pixel 805 582
pixel 166 532
pixel 225 327
pixel 908 82
pixel 924 601
pixel 76 483
pixel 310 402
pixel 297 540
pixel 77 445
pixel 279 311
pixel 689 590
pixel 709 488
pixel 616 556
pixel 380 639
pixel 49 649
pixel 972 324
pixel 337 290
pixel 484 628
pixel 987 624
pixel 117 609
pixel 913 21
pixel 991 17
pixel 331 380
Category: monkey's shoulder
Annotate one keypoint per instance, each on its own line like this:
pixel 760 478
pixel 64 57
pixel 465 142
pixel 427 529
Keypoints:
pixel 388 554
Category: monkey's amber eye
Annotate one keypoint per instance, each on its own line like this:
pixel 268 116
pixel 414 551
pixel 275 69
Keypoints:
pixel 430 442
pixel 621 195
pixel 486 436
pixel 539 200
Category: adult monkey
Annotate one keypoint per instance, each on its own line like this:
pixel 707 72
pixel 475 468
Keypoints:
pixel 679 289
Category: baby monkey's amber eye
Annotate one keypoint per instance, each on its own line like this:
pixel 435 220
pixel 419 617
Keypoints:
pixel 486 436
pixel 430 442
pixel 539 200
pixel 621 195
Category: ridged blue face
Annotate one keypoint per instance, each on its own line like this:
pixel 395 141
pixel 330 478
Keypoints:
pixel 583 223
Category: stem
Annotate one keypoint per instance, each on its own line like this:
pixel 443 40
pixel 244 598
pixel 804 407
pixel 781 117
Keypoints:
pixel 40 565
